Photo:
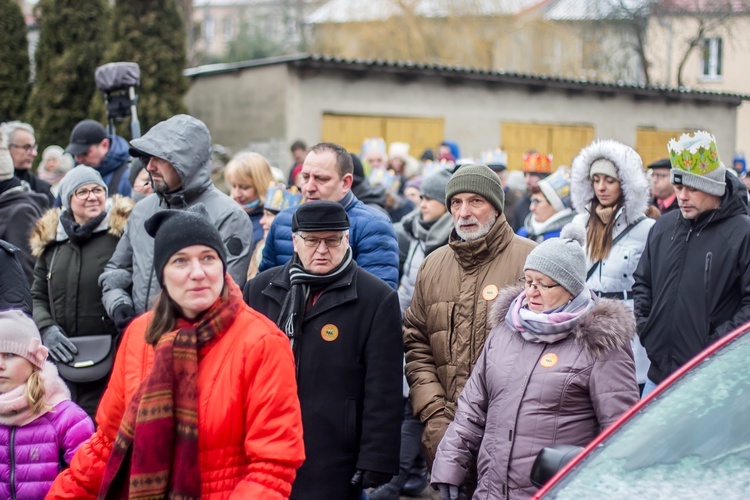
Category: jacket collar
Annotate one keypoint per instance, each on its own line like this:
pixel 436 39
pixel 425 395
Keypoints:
pixel 474 253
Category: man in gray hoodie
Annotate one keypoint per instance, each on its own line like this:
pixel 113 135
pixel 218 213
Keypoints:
pixel 178 157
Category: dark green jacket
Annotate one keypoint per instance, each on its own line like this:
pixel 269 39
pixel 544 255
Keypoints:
pixel 76 295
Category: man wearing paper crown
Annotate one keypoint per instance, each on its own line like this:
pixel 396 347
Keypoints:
pixel 692 285
pixel 536 167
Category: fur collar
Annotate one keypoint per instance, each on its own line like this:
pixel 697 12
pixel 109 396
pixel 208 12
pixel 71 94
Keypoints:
pixel 48 228
pixel 629 166
pixel 608 326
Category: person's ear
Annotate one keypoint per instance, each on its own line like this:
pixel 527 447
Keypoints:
pixel 347 180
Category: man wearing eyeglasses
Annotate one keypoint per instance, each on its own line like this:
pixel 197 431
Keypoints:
pixel 23 149
pixel 664 198
pixel 345 328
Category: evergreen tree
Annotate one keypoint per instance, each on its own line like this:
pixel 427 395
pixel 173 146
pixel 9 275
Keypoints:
pixel 150 33
pixel 14 61
pixel 71 44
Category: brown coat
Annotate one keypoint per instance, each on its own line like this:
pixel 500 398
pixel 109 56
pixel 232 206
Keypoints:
pixel 448 320
pixel 524 396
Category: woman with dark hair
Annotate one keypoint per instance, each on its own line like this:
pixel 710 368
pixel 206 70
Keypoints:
pixel 202 402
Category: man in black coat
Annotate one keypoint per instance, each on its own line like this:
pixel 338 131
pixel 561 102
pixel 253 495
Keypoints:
pixel 23 149
pixel 345 328
pixel 14 287
pixel 692 285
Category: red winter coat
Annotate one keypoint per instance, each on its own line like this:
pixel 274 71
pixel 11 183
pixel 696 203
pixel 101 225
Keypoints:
pixel 249 421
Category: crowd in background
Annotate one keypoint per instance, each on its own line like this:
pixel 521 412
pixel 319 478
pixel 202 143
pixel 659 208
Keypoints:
pixel 367 324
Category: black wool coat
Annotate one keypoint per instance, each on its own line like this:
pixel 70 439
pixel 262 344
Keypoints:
pixel 349 376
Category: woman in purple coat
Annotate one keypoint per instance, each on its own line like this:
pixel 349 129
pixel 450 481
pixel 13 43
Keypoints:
pixel 557 368
pixel 39 426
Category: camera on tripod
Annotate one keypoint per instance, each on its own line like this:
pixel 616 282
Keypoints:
pixel 118 81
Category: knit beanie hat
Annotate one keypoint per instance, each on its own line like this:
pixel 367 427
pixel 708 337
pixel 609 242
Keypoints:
pixel 19 335
pixel 556 188
pixel 562 259
pixel 433 186
pixel 605 167
pixel 477 179
pixel 79 176
pixel 174 230
pixel 695 163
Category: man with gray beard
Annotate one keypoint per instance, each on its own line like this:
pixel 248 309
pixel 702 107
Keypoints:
pixel 448 320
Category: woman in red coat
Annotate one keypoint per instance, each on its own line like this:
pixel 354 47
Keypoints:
pixel 202 402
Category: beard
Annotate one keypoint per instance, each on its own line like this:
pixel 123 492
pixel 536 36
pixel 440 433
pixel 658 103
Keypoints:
pixel 481 230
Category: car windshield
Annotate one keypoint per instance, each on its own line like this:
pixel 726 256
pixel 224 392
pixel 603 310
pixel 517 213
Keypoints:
pixel 693 441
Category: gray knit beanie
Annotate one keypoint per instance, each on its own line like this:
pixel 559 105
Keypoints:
pixel 433 186
pixel 19 335
pixel 477 179
pixel 562 259
pixel 79 176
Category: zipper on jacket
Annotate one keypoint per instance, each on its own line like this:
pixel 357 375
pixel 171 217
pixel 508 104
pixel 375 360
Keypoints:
pixel 12 463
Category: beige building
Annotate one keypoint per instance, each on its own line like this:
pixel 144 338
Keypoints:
pixel 267 104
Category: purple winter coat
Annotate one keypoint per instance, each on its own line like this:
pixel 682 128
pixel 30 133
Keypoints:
pixel 30 455
pixel 523 396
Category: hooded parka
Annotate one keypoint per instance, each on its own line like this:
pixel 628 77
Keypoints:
pixel 692 285
pixel 523 396
pixel 185 143
pixel 448 320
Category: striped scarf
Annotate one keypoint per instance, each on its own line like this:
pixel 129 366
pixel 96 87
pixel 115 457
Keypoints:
pixel 293 308
pixel 155 454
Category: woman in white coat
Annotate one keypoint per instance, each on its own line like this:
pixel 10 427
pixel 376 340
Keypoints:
pixel 610 192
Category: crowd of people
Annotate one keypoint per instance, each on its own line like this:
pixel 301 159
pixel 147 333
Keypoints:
pixel 364 326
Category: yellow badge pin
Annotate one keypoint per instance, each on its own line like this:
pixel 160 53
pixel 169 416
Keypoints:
pixel 329 332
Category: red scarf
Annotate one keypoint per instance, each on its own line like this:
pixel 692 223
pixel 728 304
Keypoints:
pixel 155 454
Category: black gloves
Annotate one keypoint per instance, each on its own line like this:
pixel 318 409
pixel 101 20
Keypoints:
pixel 122 316
pixel 371 479
pixel 61 349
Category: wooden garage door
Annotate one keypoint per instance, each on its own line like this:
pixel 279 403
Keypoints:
pixel 564 142
pixel 350 130
pixel 651 144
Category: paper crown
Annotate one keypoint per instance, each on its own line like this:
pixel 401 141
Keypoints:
pixel 696 154
pixel 537 163
pixel 278 198
pixel 373 144
pixel 497 157
pixel 556 188
pixel 434 167
pixel 386 178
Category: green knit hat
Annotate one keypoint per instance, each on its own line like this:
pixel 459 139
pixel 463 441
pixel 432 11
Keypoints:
pixel 477 179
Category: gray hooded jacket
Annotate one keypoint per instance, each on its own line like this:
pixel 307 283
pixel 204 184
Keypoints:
pixel 185 142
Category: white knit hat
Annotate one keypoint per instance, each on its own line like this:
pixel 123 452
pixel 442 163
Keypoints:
pixel 19 335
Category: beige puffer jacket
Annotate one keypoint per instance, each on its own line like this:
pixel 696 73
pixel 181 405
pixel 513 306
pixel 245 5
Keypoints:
pixel 448 320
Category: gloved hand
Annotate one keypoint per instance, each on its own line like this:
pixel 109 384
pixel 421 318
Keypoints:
pixel 61 349
pixel 371 479
pixel 122 316
pixel 447 491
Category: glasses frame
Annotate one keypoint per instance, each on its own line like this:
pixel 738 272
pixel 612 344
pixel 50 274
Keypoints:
pixel 83 194
pixel 324 240
pixel 539 287
pixel 26 147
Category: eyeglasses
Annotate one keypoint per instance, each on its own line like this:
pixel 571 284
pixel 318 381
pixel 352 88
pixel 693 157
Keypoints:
pixel 314 241
pixel 25 147
pixel 537 286
pixel 659 176
pixel 83 194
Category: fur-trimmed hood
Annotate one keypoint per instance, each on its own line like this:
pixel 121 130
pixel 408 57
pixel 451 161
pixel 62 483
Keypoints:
pixel 609 325
pixel 633 181
pixel 48 228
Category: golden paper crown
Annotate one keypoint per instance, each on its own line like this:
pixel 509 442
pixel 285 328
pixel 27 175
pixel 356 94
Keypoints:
pixel 537 163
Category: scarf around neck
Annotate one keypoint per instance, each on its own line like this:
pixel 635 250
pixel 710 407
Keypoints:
pixel 14 404
pixel 155 454
pixel 80 233
pixel 293 308
pixel 605 213
pixel 548 326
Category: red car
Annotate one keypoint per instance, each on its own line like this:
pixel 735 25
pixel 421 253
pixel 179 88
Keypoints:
pixel 689 438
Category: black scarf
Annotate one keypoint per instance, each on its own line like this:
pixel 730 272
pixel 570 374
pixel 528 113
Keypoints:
pixel 293 308
pixel 11 183
pixel 80 233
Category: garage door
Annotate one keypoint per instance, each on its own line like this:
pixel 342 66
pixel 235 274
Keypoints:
pixel 564 142
pixel 350 130
pixel 651 144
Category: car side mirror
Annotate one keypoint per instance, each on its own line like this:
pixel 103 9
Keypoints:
pixel 550 460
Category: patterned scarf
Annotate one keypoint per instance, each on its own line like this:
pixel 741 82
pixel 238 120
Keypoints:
pixel 155 454
pixel 548 326
pixel 293 308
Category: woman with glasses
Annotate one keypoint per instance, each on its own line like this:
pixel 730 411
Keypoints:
pixel 556 369
pixel 72 245
pixel 550 208
pixel 610 192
